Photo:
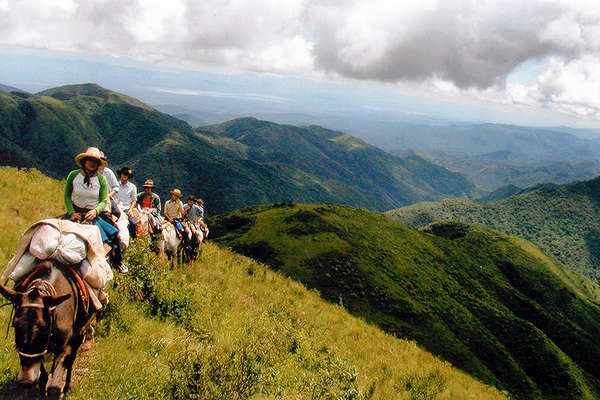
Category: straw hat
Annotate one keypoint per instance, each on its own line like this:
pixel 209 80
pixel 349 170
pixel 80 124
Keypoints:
pixel 176 192
pixel 91 152
pixel 149 183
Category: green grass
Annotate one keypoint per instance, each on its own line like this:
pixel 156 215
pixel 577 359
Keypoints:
pixel 225 327
pixel 492 305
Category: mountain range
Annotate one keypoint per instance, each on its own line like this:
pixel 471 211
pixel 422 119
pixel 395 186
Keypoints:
pixel 234 164
pixel 493 305
pixel 501 168
pixel 563 220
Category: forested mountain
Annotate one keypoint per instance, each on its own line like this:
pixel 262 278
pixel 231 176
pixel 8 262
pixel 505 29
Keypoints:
pixel 231 165
pixel 493 305
pixel 563 220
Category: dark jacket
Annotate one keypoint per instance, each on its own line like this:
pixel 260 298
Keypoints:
pixel 156 207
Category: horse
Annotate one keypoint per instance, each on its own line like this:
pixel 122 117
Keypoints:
pixel 146 223
pixel 123 225
pixel 170 244
pixel 195 238
pixel 49 317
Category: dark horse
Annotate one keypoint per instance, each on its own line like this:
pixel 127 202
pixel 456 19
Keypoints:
pixel 49 317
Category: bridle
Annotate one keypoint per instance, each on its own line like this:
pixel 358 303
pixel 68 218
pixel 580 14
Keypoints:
pixel 47 287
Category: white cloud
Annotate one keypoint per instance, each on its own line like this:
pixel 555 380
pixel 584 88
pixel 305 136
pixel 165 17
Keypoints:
pixel 460 47
pixel 242 96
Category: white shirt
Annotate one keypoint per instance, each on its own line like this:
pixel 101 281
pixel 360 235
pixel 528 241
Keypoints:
pixel 85 196
pixel 111 179
pixel 126 195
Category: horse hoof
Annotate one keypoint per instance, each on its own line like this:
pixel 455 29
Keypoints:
pixel 53 393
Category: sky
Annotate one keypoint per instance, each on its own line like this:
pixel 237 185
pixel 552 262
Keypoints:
pixel 534 60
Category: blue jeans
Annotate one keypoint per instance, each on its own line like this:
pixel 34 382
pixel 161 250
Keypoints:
pixel 178 226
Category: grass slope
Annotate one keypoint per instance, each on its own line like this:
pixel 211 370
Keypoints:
pixel 223 328
pixel 563 220
pixel 493 305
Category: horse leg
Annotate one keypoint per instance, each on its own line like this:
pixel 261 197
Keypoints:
pixel 54 388
pixel 43 381
pixel 70 360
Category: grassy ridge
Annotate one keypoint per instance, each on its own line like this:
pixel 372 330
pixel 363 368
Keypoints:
pixel 563 220
pixel 224 328
pixel 493 305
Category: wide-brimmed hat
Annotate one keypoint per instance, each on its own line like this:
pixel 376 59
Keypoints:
pixel 176 192
pixel 125 171
pixel 149 183
pixel 91 152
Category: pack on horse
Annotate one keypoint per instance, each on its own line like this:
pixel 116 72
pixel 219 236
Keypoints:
pixel 51 314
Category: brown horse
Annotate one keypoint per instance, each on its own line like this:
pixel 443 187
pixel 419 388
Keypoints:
pixel 49 317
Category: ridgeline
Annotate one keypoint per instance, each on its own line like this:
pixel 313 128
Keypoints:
pixel 237 163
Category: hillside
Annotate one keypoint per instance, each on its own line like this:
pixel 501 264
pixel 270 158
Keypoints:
pixel 268 163
pixel 563 220
pixel 223 328
pixel 348 170
pixel 493 305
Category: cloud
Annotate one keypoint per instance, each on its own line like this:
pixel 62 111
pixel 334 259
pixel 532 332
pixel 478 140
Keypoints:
pixel 242 96
pixel 465 46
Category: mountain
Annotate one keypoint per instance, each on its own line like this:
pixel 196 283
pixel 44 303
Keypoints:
pixel 563 220
pixel 8 89
pixel 339 167
pixel 241 162
pixel 493 305
pixel 501 168
pixel 525 144
pixel 224 327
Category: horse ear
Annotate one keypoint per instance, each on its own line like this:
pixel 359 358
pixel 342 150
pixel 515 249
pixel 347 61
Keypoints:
pixel 53 301
pixel 11 295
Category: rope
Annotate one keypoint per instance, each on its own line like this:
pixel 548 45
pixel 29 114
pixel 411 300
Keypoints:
pixel 60 238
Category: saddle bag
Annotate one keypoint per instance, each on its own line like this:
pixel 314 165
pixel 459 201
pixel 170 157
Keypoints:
pixel 48 243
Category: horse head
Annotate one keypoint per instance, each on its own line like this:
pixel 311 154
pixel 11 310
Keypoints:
pixel 33 321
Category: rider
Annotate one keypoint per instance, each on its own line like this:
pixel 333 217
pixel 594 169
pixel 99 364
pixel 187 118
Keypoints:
pixel 150 201
pixel 174 211
pixel 200 203
pixel 126 196
pixel 113 186
pixel 85 198
pixel 192 214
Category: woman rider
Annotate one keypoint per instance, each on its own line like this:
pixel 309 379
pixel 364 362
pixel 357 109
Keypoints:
pixel 86 197
pixel 149 200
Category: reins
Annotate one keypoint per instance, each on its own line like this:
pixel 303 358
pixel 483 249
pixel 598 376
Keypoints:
pixel 51 291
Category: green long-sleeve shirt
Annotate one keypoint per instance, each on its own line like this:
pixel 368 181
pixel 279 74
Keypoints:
pixel 84 196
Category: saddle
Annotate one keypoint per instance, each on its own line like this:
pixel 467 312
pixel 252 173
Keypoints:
pixel 85 293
